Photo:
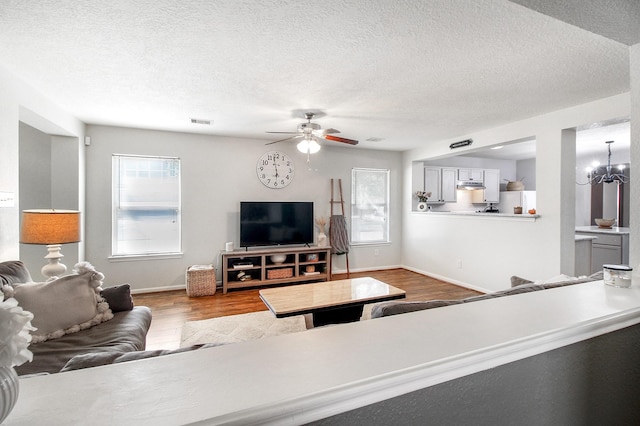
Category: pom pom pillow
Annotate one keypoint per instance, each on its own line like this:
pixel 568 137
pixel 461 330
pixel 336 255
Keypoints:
pixel 64 305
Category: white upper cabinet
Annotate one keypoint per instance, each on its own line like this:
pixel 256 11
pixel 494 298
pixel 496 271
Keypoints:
pixel 449 182
pixel 491 191
pixel 441 182
pixel 491 186
pixel 433 183
pixel 470 174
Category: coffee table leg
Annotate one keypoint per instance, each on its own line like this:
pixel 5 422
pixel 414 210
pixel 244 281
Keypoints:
pixel 337 315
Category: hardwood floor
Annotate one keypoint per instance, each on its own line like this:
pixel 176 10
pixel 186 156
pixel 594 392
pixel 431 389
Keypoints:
pixel 172 308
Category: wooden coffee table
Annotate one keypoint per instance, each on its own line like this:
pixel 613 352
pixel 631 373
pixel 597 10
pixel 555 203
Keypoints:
pixel 330 302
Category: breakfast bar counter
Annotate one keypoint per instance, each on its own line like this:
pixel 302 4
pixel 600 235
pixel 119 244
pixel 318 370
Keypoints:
pixel 482 215
pixel 553 353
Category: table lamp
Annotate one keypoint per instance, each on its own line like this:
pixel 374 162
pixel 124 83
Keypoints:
pixel 53 228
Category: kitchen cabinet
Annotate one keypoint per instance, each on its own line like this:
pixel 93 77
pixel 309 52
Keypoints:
pixel 608 247
pixel 441 182
pixel 491 191
pixel 470 174
pixel 491 185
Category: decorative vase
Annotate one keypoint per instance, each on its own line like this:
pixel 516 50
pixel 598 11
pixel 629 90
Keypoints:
pixel 9 387
pixel 422 206
pixel 322 239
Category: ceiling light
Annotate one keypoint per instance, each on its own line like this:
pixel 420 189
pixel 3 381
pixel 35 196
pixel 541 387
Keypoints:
pixel 597 174
pixel 308 146
pixel 497 147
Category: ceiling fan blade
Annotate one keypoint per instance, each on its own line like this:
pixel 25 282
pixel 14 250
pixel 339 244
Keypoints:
pixel 285 133
pixel 284 140
pixel 339 139
pixel 329 131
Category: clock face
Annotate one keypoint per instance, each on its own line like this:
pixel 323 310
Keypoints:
pixel 275 169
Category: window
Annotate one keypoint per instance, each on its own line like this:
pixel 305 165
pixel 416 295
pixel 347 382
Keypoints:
pixel 146 206
pixel 369 206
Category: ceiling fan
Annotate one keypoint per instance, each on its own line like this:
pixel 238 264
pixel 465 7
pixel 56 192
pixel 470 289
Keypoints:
pixel 311 133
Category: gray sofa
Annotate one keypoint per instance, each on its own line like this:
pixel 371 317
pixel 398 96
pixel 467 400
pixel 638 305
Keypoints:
pixel 518 286
pixel 125 333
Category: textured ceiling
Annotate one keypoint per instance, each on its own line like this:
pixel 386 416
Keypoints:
pixel 615 19
pixel 409 72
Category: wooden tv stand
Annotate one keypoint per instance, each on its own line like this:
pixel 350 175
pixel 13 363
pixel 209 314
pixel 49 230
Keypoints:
pixel 296 267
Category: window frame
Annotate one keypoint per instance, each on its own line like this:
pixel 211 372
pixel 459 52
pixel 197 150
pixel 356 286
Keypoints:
pixel 355 226
pixel 115 205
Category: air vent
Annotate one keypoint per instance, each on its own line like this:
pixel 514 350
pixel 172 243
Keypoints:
pixel 201 121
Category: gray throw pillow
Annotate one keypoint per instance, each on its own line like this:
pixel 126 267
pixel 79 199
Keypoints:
pixel 13 272
pixel 118 297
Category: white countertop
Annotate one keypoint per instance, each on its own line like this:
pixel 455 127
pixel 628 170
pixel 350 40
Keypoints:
pixel 482 214
pixel 301 377
pixel 597 230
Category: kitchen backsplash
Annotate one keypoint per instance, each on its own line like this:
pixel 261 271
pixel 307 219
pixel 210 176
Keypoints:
pixel 463 203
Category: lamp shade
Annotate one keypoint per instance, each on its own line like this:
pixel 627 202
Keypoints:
pixel 50 227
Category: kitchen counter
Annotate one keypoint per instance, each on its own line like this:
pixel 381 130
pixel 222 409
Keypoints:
pixel 597 230
pixel 610 246
pixel 468 213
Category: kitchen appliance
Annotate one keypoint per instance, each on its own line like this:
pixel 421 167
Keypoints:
pixel 491 209
pixel 470 184
pixel 511 199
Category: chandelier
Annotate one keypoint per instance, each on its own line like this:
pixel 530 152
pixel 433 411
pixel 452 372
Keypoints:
pixel 597 174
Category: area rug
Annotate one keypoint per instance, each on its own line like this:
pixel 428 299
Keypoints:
pixel 244 327
pixel 239 328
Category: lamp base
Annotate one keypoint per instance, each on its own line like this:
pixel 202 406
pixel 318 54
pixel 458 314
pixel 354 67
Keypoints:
pixel 54 268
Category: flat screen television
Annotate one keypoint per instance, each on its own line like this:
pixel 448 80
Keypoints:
pixel 272 223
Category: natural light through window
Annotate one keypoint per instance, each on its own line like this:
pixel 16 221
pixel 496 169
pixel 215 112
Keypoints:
pixel 146 206
pixel 369 206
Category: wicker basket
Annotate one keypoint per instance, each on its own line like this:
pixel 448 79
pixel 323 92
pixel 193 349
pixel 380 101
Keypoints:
pixel 201 280
pixel 273 274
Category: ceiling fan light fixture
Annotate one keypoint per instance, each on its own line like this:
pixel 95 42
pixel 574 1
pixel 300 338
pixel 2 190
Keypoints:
pixel 308 146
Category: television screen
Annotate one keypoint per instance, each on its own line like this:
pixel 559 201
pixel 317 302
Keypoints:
pixel 269 223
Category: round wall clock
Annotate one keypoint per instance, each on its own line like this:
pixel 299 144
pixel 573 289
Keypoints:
pixel 275 169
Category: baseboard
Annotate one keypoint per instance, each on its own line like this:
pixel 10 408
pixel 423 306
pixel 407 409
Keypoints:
pixel 340 271
pixel 377 268
pixel 167 288
pixel 447 279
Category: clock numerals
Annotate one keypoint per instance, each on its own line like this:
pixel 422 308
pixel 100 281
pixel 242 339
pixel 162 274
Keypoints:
pixel 275 169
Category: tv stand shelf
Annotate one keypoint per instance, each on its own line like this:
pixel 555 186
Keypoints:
pixel 300 264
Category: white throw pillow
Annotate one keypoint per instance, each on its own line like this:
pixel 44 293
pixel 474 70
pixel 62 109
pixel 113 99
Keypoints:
pixel 64 305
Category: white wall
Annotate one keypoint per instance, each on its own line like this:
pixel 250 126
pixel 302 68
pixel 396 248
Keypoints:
pixel 634 240
pixel 218 173
pixel 491 250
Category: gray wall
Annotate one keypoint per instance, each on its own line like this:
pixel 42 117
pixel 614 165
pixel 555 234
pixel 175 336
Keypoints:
pixel 35 187
pixel 218 173
pixel 595 382
pixel 527 169
pixel 48 178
